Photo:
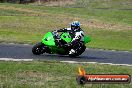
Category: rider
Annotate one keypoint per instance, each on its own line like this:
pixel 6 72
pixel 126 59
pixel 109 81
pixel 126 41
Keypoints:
pixel 75 32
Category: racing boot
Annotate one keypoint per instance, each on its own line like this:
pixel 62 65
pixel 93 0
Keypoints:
pixel 72 51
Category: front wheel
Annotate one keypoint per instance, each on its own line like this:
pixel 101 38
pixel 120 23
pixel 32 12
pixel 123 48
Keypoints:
pixel 37 49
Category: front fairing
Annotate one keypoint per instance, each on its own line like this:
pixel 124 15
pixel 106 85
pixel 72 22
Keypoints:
pixel 48 39
pixel 66 37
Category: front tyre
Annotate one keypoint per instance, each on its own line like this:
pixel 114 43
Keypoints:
pixel 37 49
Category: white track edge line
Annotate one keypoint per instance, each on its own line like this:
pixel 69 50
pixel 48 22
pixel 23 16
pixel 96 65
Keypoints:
pixel 72 62
pixel 75 62
pixel 12 59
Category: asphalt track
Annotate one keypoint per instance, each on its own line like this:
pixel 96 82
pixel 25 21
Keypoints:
pixel 20 51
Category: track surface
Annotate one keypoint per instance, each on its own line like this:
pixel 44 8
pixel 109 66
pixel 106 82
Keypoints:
pixel 18 51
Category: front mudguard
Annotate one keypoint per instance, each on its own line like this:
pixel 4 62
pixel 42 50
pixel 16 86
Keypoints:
pixel 37 49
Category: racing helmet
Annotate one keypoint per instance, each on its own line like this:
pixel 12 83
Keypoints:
pixel 75 25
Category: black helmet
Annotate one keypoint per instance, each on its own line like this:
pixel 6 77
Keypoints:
pixel 75 25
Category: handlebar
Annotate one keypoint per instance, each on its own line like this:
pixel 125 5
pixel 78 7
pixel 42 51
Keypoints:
pixel 56 35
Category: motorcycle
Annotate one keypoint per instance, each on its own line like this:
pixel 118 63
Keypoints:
pixel 48 44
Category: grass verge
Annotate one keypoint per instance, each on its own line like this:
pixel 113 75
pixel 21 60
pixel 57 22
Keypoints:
pixel 49 74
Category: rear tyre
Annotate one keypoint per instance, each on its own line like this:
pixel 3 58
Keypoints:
pixel 81 50
pixel 38 49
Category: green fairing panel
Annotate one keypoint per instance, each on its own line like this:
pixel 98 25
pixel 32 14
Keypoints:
pixel 66 37
pixel 48 39
pixel 87 39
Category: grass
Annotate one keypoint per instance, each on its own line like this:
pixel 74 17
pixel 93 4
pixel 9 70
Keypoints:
pixel 47 74
pixel 117 40
pixel 107 22
pixel 104 3
pixel 109 29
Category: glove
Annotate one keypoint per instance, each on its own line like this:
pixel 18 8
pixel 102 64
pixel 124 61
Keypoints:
pixel 62 30
pixel 54 32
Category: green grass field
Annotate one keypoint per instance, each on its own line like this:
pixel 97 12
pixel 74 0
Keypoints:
pixel 47 74
pixel 108 28
pixel 108 22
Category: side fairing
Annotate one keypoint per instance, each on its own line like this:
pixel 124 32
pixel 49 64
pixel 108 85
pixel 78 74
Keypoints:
pixel 66 37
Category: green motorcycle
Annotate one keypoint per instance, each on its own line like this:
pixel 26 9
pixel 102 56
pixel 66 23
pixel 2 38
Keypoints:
pixel 48 45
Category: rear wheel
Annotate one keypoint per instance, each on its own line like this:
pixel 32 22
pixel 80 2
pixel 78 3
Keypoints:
pixel 81 49
pixel 38 49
